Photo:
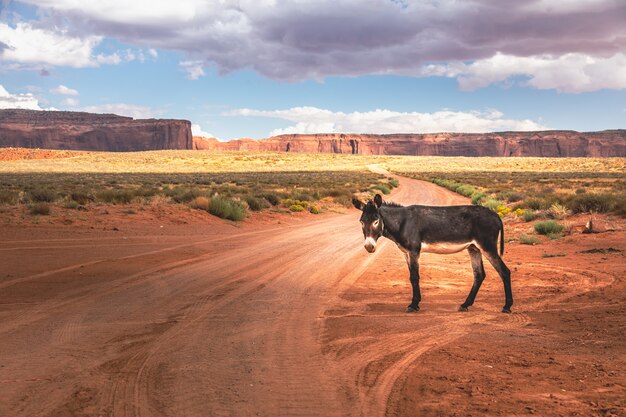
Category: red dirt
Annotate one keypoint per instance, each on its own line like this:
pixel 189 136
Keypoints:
pixel 178 314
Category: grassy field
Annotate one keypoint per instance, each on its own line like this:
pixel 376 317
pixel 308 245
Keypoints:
pixel 229 184
pixel 225 184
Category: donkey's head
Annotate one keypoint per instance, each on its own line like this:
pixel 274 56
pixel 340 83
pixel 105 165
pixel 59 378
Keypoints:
pixel 371 221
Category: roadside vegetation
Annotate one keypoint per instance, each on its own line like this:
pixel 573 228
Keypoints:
pixel 544 192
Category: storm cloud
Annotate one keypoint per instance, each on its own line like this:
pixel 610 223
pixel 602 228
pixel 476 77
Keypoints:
pixel 297 40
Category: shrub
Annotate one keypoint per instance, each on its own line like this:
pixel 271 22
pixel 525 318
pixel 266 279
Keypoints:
pixel 296 207
pixel 515 197
pixel 538 203
pixel 272 198
pixel 302 196
pixel 502 210
pixel 492 204
pixel 200 203
pixel 256 204
pixel 314 210
pixel 465 190
pixel 394 183
pixel 529 240
pixel 478 197
pixel 182 194
pixel 548 227
pixel 42 195
pixel 382 188
pixel 529 216
pixel 344 200
pixel 40 209
pixel 584 203
pixel 71 204
pixel 80 198
pixel 8 197
pixel 558 211
pixel 227 209
pixel 116 196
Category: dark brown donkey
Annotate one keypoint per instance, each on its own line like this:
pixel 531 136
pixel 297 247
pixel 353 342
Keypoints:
pixel 444 230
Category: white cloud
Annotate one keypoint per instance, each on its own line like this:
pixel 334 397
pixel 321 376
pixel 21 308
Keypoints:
pixel 32 46
pixel 70 102
pixel 295 40
pixel 17 101
pixel 197 130
pixel 63 90
pixel 315 120
pixel 193 69
pixel 570 73
pixel 123 109
pixel 153 53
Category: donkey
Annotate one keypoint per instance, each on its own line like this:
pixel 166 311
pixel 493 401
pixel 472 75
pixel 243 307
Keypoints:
pixel 444 230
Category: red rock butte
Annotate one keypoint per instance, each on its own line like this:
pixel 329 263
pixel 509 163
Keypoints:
pixel 108 132
pixel 90 132
pixel 556 143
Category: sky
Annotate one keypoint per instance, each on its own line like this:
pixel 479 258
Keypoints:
pixel 257 68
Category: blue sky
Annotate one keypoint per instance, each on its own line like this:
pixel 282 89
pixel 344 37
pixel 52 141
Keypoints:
pixel 256 68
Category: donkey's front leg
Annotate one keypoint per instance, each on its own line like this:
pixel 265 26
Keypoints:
pixel 413 261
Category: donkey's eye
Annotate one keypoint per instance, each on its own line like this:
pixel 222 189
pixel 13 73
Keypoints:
pixel 375 223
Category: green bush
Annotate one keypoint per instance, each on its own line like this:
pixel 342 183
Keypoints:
pixel 273 199
pixel 257 204
pixel 548 227
pixel 71 204
pixel 296 207
pixel 529 240
pixel 40 209
pixel 227 209
pixel 529 216
pixel 493 204
pixel 394 183
pixel 42 195
pixel 182 194
pixel 465 190
pixel 116 196
pixel 515 197
pixel 599 203
pixel 382 188
pixel 478 197
pixel 80 198
pixel 537 203
pixel 8 197
pixel 314 210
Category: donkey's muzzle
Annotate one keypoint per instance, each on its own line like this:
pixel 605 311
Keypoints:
pixel 370 245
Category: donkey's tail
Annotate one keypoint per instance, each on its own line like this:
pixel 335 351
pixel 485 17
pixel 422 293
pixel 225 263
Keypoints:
pixel 501 237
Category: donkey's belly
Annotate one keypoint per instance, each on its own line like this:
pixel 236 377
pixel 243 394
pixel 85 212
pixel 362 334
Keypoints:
pixel 444 247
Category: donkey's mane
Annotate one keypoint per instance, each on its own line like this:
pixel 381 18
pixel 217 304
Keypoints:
pixel 392 204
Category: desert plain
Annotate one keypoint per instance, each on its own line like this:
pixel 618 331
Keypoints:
pixel 145 304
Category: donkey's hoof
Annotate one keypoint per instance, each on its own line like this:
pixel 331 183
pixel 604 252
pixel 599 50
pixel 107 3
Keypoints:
pixel 411 309
pixel 461 308
pixel 506 310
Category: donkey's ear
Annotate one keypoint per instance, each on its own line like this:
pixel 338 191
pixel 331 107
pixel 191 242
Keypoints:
pixel 358 203
pixel 378 200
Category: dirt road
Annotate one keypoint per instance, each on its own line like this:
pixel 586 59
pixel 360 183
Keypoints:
pixel 297 319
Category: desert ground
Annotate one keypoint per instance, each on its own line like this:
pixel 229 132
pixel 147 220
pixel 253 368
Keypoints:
pixel 177 313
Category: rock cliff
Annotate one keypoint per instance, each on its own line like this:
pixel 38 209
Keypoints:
pixel 557 143
pixel 90 132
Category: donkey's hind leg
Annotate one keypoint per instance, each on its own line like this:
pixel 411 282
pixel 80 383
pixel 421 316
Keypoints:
pixel 505 274
pixel 479 276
